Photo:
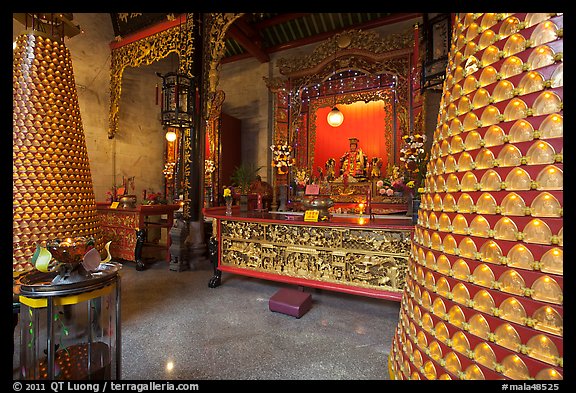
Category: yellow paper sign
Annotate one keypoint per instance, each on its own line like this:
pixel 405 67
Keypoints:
pixel 114 205
pixel 311 215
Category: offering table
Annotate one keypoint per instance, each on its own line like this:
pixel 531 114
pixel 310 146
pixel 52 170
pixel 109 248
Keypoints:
pixel 349 253
pixel 127 229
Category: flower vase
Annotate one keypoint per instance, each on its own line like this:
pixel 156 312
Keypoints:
pixel 229 206
pixel 243 202
pixel 415 207
pixel 299 193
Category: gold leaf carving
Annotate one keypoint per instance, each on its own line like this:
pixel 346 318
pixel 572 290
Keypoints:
pixel 353 256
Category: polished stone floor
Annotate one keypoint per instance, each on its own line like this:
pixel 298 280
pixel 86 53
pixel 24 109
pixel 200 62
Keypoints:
pixel 174 327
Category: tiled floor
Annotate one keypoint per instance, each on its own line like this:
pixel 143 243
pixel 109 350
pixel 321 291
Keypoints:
pixel 174 327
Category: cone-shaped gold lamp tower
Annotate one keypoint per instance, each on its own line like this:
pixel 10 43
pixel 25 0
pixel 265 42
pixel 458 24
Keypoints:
pixel 484 289
pixel 53 196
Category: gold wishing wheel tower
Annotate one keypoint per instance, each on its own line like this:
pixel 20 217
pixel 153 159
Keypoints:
pixel 484 289
pixel 53 196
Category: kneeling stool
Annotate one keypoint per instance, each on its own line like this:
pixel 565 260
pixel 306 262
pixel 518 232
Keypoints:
pixel 291 302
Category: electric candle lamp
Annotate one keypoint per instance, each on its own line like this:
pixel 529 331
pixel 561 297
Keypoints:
pixel 335 117
pixel 171 136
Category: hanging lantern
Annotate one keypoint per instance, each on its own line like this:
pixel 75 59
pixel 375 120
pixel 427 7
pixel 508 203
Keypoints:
pixel 177 103
pixel 335 117
pixel 171 135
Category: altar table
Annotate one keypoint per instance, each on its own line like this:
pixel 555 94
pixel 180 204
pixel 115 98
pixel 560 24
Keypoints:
pixel 127 229
pixel 351 254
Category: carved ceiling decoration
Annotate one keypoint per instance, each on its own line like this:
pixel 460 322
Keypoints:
pixel 351 45
pixel 146 51
pixel 260 34
pixel 126 23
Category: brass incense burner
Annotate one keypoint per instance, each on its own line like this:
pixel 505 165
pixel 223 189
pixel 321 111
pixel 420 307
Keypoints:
pixel 128 201
pixel 319 202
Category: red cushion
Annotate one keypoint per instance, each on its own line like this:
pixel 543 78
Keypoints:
pixel 291 302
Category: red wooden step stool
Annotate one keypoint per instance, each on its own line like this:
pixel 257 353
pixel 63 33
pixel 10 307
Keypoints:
pixel 291 302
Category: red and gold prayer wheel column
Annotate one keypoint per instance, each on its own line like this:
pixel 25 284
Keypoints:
pixel 53 196
pixel 484 289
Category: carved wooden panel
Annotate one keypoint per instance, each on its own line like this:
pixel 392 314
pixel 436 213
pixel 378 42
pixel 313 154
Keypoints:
pixel 120 228
pixel 360 257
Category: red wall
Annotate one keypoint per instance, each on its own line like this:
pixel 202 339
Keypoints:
pixel 365 121
pixel 230 143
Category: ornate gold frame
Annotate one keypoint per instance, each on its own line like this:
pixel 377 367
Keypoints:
pixel 366 96
pixel 365 51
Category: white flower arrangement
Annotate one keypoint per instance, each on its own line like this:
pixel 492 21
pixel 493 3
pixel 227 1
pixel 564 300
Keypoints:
pixel 282 157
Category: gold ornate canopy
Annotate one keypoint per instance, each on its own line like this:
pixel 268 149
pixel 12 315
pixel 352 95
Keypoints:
pixel 367 52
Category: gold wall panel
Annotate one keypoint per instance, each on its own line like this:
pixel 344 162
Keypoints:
pixel 362 257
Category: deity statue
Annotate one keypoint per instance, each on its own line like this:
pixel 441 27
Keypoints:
pixel 376 165
pixel 330 169
pixel 354 161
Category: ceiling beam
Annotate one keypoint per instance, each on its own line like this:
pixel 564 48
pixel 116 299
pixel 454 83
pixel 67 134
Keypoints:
pixel 245 26
pixel 279 19
pixel 248 43
pixel 394 18
pixel 388 20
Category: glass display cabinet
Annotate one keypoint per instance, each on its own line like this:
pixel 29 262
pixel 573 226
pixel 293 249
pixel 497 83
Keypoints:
pixel 70 331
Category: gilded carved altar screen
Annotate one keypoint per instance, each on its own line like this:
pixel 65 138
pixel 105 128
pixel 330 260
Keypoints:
pixel 353 67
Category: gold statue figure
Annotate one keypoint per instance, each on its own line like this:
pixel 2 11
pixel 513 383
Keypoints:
pixel 330 169
pixel 376 167
pixel 354 161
